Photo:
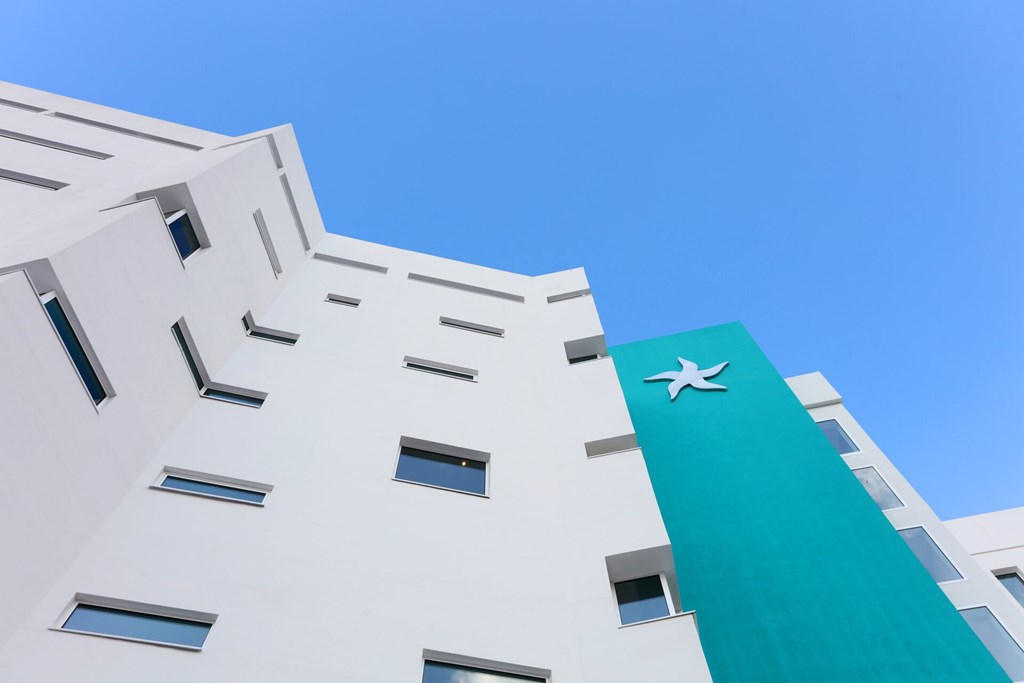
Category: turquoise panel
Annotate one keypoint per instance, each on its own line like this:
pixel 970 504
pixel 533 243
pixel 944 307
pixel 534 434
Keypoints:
pixel 793 571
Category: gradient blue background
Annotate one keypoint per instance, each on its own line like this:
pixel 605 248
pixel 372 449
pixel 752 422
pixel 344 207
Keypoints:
pixel 845 178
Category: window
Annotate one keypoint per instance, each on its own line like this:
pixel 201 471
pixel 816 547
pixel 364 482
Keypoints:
pixel 441 672
pixel 472 327
pixel 208 389
pixel 589 348
pixel 290 198
pixel 837 437
pixel 257 332
pixel 125 131
pixel 1014 584
pixel 359 265
pixel 1001 644
pixel 641 599
pixel 182 232
pixel 343 300
pixel 555 298
pixel 615 444
pixel 31 180
pixel 441 466
pixel 436 368
pixel 53 144
pixel 74 347
pixel 933 559
pixel 212 486
pixel 268 243
pixel 451 284
pixel 126 620
pixel 877 488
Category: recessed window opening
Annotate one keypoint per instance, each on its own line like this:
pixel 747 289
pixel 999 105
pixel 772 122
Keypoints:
pixel 206 387
pixel 877 488
pixel 124 131
pixel 22 105
pixel 555 298
pixel 31 180
pixel 182 232
pixel 268 244
pixel 997 639
pixel 928 552
pixel 343 300
pixel 451 284
pixel 1013 583
pixel 212 486
pixel 586 349
pixel 52 144
pixel 290 198
pixel 472 327
pixel 442 466
pixel 443 672
pixel 437 368
pixel 611 445
pixel 642 599
pixel 268 334
pixel 838 437
pixel 137 621
pixel 358 265
pixel 74 347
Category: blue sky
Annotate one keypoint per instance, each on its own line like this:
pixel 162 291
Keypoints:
pixel 847 179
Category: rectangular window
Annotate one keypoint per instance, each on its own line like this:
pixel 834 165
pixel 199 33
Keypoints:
pixel 442 672
pixel 74 347
pixel 52 144
pixel 877 488
pixel 472 327
pixel 183 234
pixel 436 368
pixel 125 620
pixel 440 466
pixel 1014 584
pixel 290 198
pixel 208 389
pixel 838 437
pixel 999 642
pixel 933 559
pixel 268 244
pixel 343 300
pixel 642 599
pixel 266 333
pixel 212 486
pixel 31 180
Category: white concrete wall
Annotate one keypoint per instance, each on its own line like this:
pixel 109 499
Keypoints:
pixel 345 574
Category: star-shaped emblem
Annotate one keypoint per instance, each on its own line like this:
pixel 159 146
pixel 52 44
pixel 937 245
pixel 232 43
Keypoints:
pixel 690 375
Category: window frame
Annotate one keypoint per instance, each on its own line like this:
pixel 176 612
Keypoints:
pixel 901 506
pixel 141 608
pixel 1013 638
pixel 216 479
pixel 466 326
pixel 266 333
pixel 856 446
pixel 665 595
pixel 486 665
pixel 1017 572
pixel 433 367
pixel 435 448
pixel 206 387
pixel 173 216
pixel 87 351
pixel 941 550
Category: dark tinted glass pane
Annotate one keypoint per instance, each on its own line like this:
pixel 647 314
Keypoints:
pixel 877 488
pixel 439 371
pixel 1002 646
pixel 641 599
pixel 115 622
pixel 1015 585
pixel 937 564
pixel 212 489
pixel 75 350
pixel 839 439
pixel 184 235
pixel 435 672
pixel 425 467
pixel 233 398
pixel 193 368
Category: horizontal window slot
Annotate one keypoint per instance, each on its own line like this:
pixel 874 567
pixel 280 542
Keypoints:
pixel 43 142
pixel 33 180
pixel 137 621
pixel 268 244
pixel 22 105
pixel 360 265
pixel 125 131
pixel 451 284
pixel 343 300
pixel 212 486
pixel 554 298
pixel 472 327
pixel 206 387
pixel 266 333
pixel 615 444
pixel 232 397
pixel 440 368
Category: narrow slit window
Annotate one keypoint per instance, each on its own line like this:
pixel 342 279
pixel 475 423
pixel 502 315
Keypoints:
pixel 452 284
pixel 350 263
pixel 290 198
pixel 444 369
pixel 838 437
pixel 22 105
pixel 642 599
pixel 139 622
pixel 268 244
pixel 212 486
pixel 268 334
pixel 1013 583
pixel 31 180
pixel 53 144
pixel 455 469
pixel 343 300
pixel 555 298
pixel 125 131
pixel 76 351
pixel 930 555
pixel 877 488
pixel 183 234
pixel 472 327
pixel 207 388
pixel 442 672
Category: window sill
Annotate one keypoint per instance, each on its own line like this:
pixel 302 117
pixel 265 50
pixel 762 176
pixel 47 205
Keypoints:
pixel 207 495
pixel 665 618
pixel 176 646
pixel 442 488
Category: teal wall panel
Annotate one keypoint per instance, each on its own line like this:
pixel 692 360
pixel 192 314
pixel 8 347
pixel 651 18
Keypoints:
pixel 794 572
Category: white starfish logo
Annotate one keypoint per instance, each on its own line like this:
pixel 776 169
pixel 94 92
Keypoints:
pixel 690 375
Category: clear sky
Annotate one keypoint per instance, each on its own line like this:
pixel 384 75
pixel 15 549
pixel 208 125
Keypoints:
pixel 845 178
